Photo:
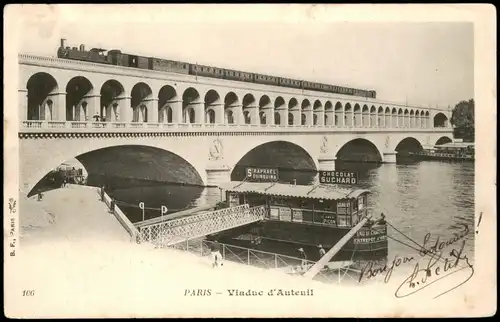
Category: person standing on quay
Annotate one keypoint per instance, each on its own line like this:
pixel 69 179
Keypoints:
pixel 322 251
pixel 303 258
pixel 382 221
pixel 216 255
pixel 112 205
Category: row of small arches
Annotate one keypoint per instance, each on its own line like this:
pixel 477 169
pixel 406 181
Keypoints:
pixel 42 86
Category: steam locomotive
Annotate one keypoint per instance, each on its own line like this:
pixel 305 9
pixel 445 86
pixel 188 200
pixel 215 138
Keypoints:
pixel 116 57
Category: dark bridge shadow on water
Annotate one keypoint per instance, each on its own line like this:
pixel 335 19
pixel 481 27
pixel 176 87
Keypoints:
pixel 128 193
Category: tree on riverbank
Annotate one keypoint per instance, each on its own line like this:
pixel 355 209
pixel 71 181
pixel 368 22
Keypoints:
pixel 462 120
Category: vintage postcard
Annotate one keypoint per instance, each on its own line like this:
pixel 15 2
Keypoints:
pixel 249 161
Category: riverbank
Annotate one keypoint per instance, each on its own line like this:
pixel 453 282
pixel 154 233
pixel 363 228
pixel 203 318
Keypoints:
pixel 76 214
pixel 83 265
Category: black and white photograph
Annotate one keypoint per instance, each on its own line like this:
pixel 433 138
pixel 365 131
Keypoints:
pixel 257 160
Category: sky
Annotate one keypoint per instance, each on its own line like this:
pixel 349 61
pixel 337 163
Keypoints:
pixel 421 63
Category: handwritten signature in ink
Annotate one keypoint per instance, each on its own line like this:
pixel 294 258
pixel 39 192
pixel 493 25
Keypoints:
pixel 369 271
pixel 441 245
pixel 437 269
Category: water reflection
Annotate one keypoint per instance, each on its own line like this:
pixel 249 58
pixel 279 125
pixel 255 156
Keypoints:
pixel 128 193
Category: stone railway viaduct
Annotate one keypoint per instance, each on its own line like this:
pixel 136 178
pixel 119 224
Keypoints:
pixel 140 123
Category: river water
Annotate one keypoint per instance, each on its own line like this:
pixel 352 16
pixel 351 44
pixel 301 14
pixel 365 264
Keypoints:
pixel 418 198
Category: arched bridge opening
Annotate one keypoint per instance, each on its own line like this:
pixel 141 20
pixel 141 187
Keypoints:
pixel 358 155
pixel 70 171
pixel 78 92
pixel 406 148
pixel 42 97
pixel 440 120
pixel 138 162
pixel 408 145
pixel 443 140
pixel 294 164
pixel 359 150
pixel 135 173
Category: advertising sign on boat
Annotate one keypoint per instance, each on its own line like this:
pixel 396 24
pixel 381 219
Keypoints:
pixel 338 177
pixel 262 174
pixel 297 215
pixel 285 214
pixel 330 219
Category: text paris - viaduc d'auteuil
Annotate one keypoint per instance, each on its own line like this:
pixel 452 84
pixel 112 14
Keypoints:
pixel 271 292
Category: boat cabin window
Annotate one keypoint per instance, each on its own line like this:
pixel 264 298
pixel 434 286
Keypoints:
pixel 252 199
pixel 344 213
pixel 344 210
pixel 362 202
pixel 344 207
pixel 278 201
pixel 233 199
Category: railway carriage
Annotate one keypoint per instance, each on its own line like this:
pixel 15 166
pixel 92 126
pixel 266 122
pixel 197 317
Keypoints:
pixel 207 71
pixel 238 75
pixel 287 82
pixel 312 86
pixel 117 57
pixel 172 66
pixel 266 79
pixel 326 87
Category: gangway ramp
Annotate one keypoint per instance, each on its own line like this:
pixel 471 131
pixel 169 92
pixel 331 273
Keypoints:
pixel 174 215
pixel 181 229
pixel 335 249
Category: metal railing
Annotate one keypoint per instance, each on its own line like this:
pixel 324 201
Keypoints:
pixel 121 217
pixel 267 260
pixel 375 230
pixel 177 230
pixel 132 126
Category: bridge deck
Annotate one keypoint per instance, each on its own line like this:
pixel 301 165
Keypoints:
pixel 58 126
pixel 178 230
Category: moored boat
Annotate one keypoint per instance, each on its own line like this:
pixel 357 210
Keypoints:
pixel 456 151
pixel 305 216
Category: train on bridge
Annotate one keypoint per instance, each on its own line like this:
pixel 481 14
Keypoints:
pixel 118 58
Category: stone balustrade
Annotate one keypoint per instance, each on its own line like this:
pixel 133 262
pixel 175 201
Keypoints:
pixel 80 126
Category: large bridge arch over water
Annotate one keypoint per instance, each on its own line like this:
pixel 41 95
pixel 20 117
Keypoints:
pixel 208 153
pixel 443 140
pixel 153 163
pixel 359 150
pixel 409 144
pixel 283 155
pixel 114 156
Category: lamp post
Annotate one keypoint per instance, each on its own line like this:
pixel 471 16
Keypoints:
pixel 141 205
pixel 164 210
